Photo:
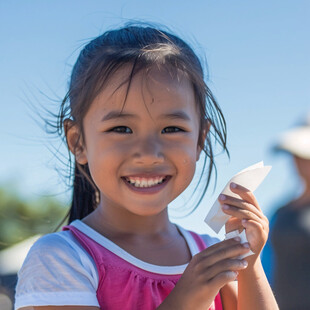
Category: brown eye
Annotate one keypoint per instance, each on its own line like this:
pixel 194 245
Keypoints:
pixel 172 129
pixel 120 129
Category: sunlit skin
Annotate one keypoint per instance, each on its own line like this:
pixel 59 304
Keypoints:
pixel 148 143
pixel 158 139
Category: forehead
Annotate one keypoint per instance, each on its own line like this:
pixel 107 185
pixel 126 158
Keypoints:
pixel 157 88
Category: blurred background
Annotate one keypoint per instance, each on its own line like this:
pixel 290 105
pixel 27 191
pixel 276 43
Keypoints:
pixel 258 68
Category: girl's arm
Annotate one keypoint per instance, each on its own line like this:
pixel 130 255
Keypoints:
pixel 254 291
pixel 229 296
pixel 258 291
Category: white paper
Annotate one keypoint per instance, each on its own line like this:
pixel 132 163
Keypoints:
pixel 243 238
pixel 249 178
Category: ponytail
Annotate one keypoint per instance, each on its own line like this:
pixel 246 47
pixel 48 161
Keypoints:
pixel 84 197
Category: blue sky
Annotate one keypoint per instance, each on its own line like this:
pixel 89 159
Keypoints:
pixel 258 58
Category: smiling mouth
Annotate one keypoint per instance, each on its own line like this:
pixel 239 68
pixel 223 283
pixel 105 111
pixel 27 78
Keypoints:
pixel 144 182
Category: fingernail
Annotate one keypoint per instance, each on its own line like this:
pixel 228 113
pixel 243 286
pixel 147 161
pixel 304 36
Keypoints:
pixel 246 245
pixel 225 207
pixel 222 197
pixel 233 185
pixel 244 263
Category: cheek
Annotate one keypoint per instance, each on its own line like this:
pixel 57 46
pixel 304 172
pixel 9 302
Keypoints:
pixel 185 151
pixel 103 162
pixel 187 163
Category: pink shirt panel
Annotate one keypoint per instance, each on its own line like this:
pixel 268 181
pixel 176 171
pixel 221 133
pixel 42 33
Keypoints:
pixel 124 286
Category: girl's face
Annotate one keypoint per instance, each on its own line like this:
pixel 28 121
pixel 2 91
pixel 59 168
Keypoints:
pixel 141 154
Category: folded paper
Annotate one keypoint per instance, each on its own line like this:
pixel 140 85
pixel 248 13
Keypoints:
pixel 250 178
pixel 243 238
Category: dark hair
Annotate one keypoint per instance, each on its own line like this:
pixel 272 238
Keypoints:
pixel 140 47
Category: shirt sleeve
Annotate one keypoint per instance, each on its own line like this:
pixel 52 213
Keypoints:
pixel 56 272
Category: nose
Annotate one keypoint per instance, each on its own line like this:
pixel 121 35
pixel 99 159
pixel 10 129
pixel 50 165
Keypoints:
pixel 148 151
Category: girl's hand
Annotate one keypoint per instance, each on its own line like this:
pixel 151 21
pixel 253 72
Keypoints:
pixel 247 214
pixel 206 274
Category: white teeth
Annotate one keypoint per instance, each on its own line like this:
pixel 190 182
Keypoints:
pixel 138 182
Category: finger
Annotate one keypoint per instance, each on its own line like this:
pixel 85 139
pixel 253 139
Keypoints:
pixel 232 224
pixel 223 253
pixel 240 213
pixel 239 203
pixel 225 265
pixel 223 278
pixel 222 245
pixel 255 225
pixel 245 194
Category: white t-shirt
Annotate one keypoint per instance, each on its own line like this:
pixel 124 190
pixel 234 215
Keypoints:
pixel 58 270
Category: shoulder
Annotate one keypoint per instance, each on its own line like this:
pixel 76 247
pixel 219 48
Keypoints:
pixel 283 209
pixel 56 266
pixel 57 249
pixel 282 213
pixel 54 241
pixel 60 247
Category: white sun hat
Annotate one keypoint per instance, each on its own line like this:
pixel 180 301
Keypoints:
pixel 296 142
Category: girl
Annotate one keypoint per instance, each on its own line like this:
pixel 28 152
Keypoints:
pixel 136 118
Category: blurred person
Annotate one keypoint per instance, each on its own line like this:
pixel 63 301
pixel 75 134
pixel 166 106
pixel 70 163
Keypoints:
pixel 288 248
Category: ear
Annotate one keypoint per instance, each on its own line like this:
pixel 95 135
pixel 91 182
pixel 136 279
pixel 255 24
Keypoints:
pixel 203 135
pixel 74 141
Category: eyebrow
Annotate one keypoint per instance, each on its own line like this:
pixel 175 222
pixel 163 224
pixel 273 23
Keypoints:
pixel 119 115
pixel 176 115
pixel 116 115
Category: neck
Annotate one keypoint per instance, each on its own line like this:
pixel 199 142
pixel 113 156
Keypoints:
pixel 112 222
